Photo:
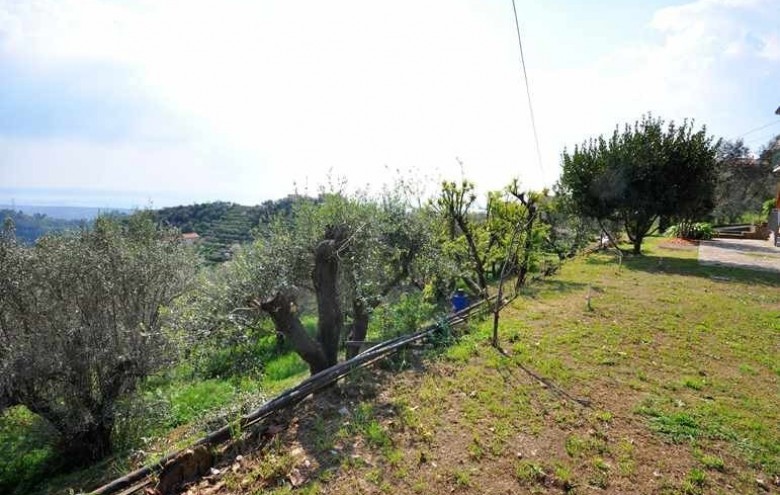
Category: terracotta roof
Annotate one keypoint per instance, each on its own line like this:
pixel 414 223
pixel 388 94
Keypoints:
pixel 190 235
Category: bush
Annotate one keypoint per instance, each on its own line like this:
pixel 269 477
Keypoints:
pixel 698 231
pixel 766 207
pixel 407 315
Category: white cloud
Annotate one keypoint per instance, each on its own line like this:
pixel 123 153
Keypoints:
pixel 704 64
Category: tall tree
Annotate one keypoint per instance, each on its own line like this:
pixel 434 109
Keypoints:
pixel 641 173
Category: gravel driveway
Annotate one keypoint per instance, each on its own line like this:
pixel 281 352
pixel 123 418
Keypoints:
pixel 740 253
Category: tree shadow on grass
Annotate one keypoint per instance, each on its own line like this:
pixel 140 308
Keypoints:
pixel 543 286
pixel 691 267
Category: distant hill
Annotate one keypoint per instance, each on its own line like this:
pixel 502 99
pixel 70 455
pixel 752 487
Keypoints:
pixel 65 212
pixel 220 224
pixel 30 227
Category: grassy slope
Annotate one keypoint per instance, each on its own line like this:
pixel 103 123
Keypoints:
pixel 680 363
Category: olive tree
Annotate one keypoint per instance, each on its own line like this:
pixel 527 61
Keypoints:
pixel 80 323
pixel 340 253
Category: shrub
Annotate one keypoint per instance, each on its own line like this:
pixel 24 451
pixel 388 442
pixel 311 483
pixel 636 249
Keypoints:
pixel 698 231
pixel 407 315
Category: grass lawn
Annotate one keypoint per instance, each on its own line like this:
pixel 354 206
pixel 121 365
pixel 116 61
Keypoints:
pixel 680 363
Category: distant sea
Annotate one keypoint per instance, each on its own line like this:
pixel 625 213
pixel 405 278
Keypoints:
pixel 65 212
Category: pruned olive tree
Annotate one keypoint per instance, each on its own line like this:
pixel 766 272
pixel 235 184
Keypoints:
pixel 80 323
pixel 467 243
pixel 341 253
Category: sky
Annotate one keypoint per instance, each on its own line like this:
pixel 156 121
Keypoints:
pixel 157 103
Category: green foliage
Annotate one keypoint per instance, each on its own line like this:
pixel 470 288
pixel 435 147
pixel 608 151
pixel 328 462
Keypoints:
pixel 697 230
pixel 642 173
pixel 511 235
pixel 189 401
pixel 386 245
pixel 408 314
pixel 26 449
pixel 767 206
pixel 743 183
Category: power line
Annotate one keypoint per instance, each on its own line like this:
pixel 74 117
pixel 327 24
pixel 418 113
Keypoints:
pixel 528 90
pixel 751 131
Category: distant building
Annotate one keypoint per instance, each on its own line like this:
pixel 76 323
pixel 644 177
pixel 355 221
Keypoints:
pixel 190 238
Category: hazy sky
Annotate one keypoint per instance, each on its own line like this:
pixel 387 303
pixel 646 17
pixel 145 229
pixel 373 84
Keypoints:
pixel 130 103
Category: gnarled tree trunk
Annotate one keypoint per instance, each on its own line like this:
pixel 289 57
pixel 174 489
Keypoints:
pixel 282 310
pixel 330 319
pixel 359 327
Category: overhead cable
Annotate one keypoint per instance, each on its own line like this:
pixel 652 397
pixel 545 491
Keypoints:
pixel 528 90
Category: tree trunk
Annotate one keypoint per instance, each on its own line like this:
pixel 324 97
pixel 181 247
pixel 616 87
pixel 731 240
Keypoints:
pixel 282 311
pixel 478 264
pixel 325 276
pixel 528 245
pixel 637 241
pixel 359 326
pixel 86 447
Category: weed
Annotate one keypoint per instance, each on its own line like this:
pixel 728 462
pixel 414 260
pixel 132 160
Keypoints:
pixel 678 427
pixel 695 483
pixel 563 477
pixel 475 449
pixel 530 472
pixel 625 458
pixel 713 462
pixel 575 445
pixel 462 477
pixel 693 383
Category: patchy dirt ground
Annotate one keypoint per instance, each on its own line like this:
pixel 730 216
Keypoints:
pixel 678 363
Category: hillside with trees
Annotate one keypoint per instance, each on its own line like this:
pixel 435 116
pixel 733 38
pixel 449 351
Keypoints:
pixel 30 227
pixel 222 225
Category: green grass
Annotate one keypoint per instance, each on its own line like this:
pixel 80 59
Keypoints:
pixel 284 366
pixel 26 448
pixel 189 401
pixel 687 353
